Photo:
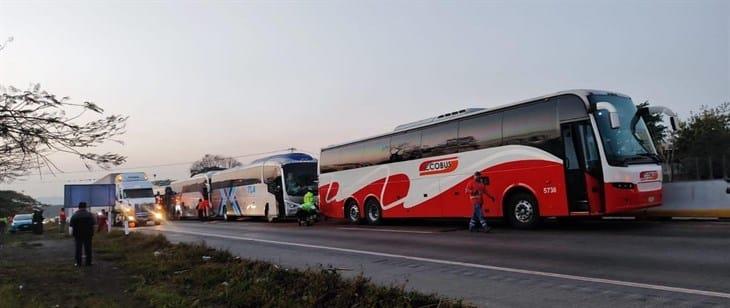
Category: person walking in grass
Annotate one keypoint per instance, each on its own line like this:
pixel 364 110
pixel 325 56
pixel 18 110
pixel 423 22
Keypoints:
pixel 476 189
pixel 62 221
pixel 82 224
pixel 4 223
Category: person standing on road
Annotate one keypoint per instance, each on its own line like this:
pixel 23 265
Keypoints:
pixel 82 223
pixel 102 222
pixel 62 221
pixel 178 210
pixel 476 189
pixel 206 208
pixel 167 201
pixel 203 206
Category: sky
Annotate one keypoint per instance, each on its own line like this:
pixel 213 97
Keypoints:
pixel 243 77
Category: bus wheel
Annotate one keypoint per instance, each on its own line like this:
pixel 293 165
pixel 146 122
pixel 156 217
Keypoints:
pixel 523 212
pixel 352 212
pixel 373 211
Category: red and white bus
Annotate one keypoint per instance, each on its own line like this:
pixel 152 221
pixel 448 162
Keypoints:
pixel 571 153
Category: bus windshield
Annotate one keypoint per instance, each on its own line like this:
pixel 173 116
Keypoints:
pixel 626 144
pixel 138 193
pixel 299 178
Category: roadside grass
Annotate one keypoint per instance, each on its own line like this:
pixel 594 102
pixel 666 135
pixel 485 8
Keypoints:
pixel 37 271
pixel 193 275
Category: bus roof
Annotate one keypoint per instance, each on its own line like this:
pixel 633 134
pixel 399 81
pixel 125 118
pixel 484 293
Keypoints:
pixel 583 93
pixel 273 160
pixel 286 158
pixel 198 178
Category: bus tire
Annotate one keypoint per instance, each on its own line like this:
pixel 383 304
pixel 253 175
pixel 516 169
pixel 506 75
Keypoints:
pixel 373 212
pixel 352 212
pixel 522 211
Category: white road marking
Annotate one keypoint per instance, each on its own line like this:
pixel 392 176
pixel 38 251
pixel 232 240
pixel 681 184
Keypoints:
pixel 386 230
pixel 471 265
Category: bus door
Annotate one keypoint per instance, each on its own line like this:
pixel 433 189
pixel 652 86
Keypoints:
pixel 582 168
pixel 275 186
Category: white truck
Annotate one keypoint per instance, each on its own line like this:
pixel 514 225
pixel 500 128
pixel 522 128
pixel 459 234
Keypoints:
pixel 135 199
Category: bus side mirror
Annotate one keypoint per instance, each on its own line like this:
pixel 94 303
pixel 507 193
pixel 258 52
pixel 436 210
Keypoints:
pixel 612 113
pixel 485 180
pixel 673 122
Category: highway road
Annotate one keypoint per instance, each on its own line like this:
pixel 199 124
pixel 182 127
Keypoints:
pixel 604 263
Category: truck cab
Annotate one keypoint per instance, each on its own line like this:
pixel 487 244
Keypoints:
pixel 135 198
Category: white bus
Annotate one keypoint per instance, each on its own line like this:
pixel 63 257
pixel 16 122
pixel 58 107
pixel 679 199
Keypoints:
pixel 190 191
pixel 272 187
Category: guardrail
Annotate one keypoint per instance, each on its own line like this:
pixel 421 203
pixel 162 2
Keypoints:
pixel 710 198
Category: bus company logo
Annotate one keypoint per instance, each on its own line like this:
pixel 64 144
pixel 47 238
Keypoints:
pixel 444 165
pixel 648 176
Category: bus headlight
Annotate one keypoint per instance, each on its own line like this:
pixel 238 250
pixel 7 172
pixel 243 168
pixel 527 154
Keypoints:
pixel 158 215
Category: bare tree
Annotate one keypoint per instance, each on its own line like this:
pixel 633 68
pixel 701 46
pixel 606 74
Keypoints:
pixel 35 124
pixel 211 162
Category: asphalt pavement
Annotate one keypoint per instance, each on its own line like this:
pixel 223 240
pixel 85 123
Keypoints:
pixel 599 263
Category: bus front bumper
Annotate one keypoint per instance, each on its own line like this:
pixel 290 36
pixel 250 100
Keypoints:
pixel 620 200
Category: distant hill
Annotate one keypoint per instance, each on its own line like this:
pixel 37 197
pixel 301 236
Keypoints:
pixel 12 202
pixel 50 200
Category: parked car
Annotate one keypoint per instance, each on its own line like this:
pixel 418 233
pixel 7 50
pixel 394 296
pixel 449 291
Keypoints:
pixel 22 222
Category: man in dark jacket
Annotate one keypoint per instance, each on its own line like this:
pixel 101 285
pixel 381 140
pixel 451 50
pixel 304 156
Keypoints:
pixel 82 223
pixel 37 221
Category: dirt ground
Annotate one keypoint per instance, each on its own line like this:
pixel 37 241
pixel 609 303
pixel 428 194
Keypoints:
pixel 39 271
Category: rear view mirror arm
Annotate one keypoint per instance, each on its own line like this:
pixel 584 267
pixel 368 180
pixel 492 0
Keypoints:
pixel 612 113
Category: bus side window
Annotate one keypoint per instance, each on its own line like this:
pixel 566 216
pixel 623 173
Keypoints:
pixel 533 125
pixel 272 178
pixel 571 108
pixel 439 140
pixel 374 152
pixel 405 146
pixel 590 147
pixel 480 132
pixel 328 160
